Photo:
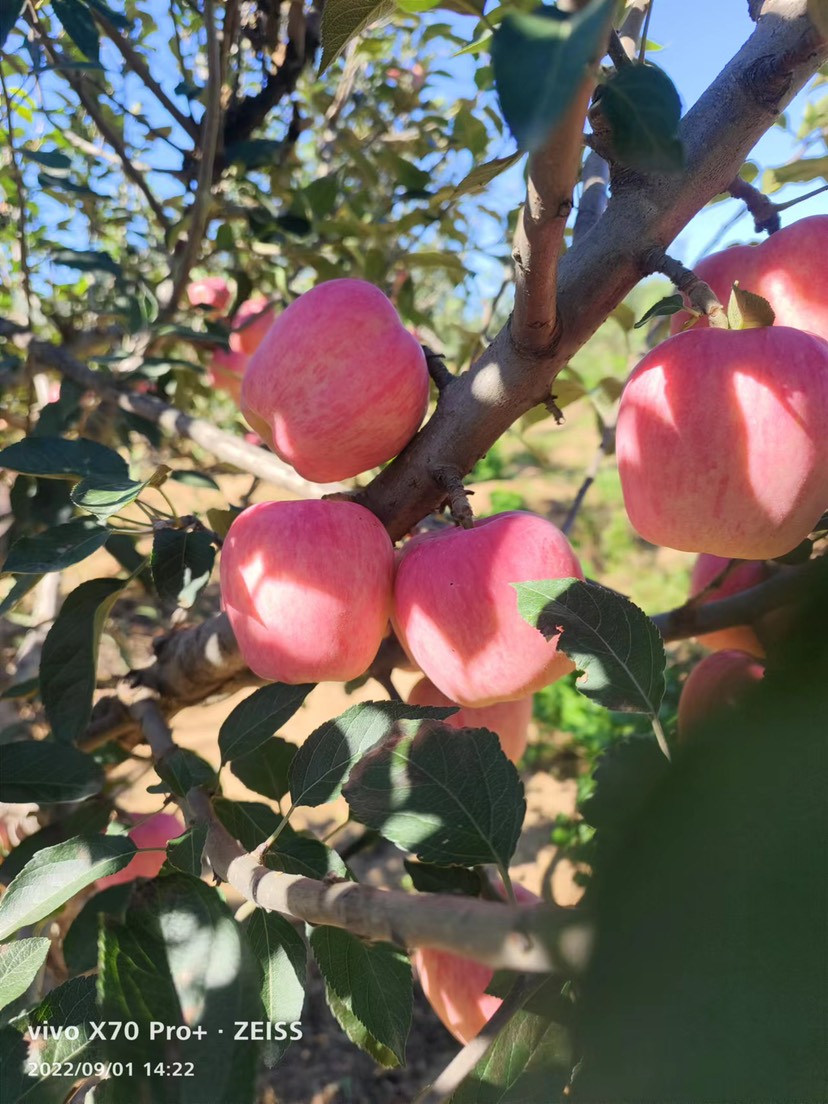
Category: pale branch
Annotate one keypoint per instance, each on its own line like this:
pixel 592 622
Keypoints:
pixel 699 295
pixel 633 32
pixel 526 938
pixel 644 212
pixel 199 213
pixel 618 55
pixel 138 65
pixel 539 237
pixel 176 423
pixel 764 211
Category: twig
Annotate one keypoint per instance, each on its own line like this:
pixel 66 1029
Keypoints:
pixel 618 55
pixel 437 369
pixel 764 210
pixel 589 478
pixel 698 294
pixel 17 176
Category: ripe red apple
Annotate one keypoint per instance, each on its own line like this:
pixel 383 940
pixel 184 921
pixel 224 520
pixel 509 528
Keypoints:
pixel 307 588
pixel 715 685
pixel 226 370
pixel 455 987
pixel 338 385
pixel 211 291
pixel 456 612
pixel 741 577
pixel 722 441
pixel 250 324
pixel 154 833
pixel 510 720
pixel 787 269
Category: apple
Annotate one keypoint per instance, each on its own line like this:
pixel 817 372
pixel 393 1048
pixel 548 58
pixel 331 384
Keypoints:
pixel 510 720
pixel 717 684
pixel 787 269
pixel 338 385
pixel 250 324
pixel 455 987
pixel 212 292
pixel 307 588
pixel 741 577
pixel 722 441
pixel 155 833
pixel 226 370
pixel 456 613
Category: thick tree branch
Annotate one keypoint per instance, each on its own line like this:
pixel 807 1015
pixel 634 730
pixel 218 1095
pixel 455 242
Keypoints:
pixel 718 133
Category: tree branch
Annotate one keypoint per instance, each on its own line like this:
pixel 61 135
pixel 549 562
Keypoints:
pixel 506 381
pixel 698 294
pixel 764 210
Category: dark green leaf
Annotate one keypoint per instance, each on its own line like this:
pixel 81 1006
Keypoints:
pixel 371 981
pixel 47 773
pixel 184 853
pixel 87 260
pixel 616 646
pixel 428 878
pixel 195 479
pixel 56 548
pixel 10 11
pixel 56 458
pixel 255 153
pixel 69 1005
pixel 50 159
pixel 14 1050
pixel 114 17
pixel 669 305
pixel 182 769
pixel 69 658
pixel 182 561
pixel 255 719
pixel 250 822
pixel 343 20
pixel 643 110
pixel 26 689
pixel 282 956
pixel 323 762
pixel 450 795
pixel 90 816
pixel 57 873
pixel 625 776
pixel 540 61
pixel 298 853
pixel 79 25
pixel 18 592
pixel 20 962
pixel 80 946
pixel 265 769
pixel 105 497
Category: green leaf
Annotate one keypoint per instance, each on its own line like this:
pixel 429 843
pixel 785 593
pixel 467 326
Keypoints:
pixel 20 962
pixel 182 561
pixel 56 548
pixel 18 592
pixel 105 497
pixel 324 760
pixel 800 171
pixel 70 653
pixel 71 1005
pixel 56 458
pixel 530 1061
pixel 343 20
pixel 616 646
pixel 301 853
pixel 265 769
pixel 250 822
pixel 47 773
pixel 57 873
pixel 10 11
pixel 90 816
pixel 371 981
pixel 80 946
pixel 255 719
pixel 452 262
pixel 195 479
pixel 182 769
pixel 87 260
pixel 80 26
pixel 482 175
pixel 14 1050
pixel 184 853
pixel 282 957
pixel 643 110
pixel 449 795
pixel 428 878
pixel 540 60
pixel 748 311
pixel 50 159
pixel 669 305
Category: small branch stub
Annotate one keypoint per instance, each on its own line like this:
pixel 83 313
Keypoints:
pixel 436 364
pixel 699 295
pixel 764 210
pixel 451 480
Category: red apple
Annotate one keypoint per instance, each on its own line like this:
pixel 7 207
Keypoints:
pixel 250 324
pixel 510 720
pixel 788 269
pixel 456 614
pixel 226 370
pixel 211 291
pixel 307 588
pixel 154 833
pixel 338 385
pixel 722 441
pixel 742 576
pixel 455 987
pixel 717 684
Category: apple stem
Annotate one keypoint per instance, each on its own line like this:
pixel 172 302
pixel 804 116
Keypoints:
pixel 699 295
